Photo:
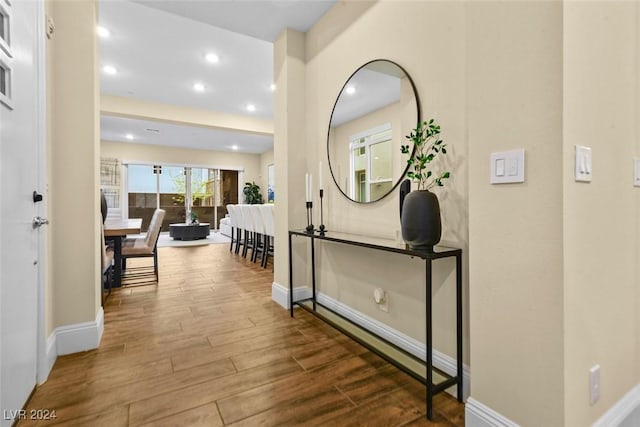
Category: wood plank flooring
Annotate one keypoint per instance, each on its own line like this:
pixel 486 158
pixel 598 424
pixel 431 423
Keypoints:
pixel 208 347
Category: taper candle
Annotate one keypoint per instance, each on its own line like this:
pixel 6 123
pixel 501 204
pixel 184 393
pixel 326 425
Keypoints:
pixel 306 186
pixel 320 184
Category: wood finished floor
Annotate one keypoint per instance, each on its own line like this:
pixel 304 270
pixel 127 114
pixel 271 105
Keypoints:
pixel 208 347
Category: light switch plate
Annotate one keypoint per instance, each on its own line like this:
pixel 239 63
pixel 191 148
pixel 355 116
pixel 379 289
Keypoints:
pixel 507 167
pixel 636 172
pixel 583 164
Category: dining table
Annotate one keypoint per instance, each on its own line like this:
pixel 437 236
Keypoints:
pixel 116 230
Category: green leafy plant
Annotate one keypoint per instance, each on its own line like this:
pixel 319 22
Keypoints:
pixel 199 189
pixel 193 217
pixel 252 193
pixel 428 146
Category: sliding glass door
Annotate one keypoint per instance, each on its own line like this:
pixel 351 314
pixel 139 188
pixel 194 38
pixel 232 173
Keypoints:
pixel 142 188
pixel 172 194
pixel 204 194
pixel 178 190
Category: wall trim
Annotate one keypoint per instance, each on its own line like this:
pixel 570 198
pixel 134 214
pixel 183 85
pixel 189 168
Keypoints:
pixel 280 294
pixel 444 362
pixel 50 356
pixel 477 414
pixel 621 410
pixel 80 336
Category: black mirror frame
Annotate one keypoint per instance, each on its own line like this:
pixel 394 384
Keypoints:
pixel 419 118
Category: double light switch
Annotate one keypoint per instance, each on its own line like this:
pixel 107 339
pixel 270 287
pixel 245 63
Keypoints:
pixel 507 167
pixel 583 163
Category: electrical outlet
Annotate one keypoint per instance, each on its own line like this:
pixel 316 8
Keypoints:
pixel 381 297
pixel 384 306
pixel 594 384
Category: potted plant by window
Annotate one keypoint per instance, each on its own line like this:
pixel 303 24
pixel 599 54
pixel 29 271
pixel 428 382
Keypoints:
pixel 420 213
pixel 252 193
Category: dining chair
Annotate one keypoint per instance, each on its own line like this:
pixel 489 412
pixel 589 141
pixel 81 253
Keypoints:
pixel 266 211
pixel 247 224
pixel 258 230
pixel 107 266
pixel 240 240
pixel 147 245
pixel 234 222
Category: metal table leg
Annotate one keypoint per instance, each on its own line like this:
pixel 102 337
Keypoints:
pixel 429 329
pixel 290 278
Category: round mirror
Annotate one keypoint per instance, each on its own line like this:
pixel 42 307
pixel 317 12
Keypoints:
pixel 376 108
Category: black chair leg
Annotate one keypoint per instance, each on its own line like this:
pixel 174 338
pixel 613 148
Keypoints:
pixel 256 247
pixel 231 244
pixel 238 238
pixel 246 244
pixel 155 262
pixel 265 251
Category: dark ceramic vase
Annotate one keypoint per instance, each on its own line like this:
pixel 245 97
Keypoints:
pixel 420 220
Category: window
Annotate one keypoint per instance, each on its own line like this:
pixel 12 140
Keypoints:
pixel 179 189
pixel 3 27
pixel 5 85
pixel 5 34
pixel 3 80
pixel 371 164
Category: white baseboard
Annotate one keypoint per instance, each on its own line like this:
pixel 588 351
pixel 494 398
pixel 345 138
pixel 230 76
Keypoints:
pixel 445 363
pixel 477 414
pixel 280 294
pixel 51 354
pixel 79 337
pixel 622 410
pixel 625 413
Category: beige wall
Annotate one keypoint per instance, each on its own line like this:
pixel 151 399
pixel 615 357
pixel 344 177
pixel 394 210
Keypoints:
pixel 600 228
pixel 553 283
pixel 124 151
pixel 73 288
pixel 514 100
pixel 351 274
pixel 290 148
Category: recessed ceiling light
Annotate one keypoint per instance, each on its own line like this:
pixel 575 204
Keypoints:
pixel 272 87
pixel 129 136
pixel 234 147
pixel 109 69
pixel 212 58
pixel 251 107
pixel 350 90
pixel 198 87
pixel 103 32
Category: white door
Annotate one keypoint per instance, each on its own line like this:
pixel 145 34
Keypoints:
pixel 21 133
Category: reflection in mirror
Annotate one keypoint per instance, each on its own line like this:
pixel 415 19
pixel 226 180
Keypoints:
pixel 377 106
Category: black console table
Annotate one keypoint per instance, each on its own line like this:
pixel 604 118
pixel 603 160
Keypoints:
pixel 391 246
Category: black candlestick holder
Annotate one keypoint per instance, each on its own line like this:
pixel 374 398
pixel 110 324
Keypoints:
pixel 309 217
pixel 322 227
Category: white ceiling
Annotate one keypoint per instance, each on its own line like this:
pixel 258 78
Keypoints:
pixel 159 55
pixel 261 19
